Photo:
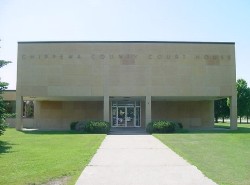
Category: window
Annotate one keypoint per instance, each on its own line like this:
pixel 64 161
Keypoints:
pixel 28 109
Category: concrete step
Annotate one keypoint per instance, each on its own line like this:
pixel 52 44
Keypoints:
pixel 128 131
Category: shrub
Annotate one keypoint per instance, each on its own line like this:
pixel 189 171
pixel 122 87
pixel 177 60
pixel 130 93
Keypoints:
pixel 97 127
pixel 163 127
pixel 10 115
pixel 178 126
pixel 149 127
pixel 3 126
pixel 91 126
pixel 73 125
pixel 80 125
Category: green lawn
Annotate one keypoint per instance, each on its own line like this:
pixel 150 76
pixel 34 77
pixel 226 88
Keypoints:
pixel 223 156
pixel 35 157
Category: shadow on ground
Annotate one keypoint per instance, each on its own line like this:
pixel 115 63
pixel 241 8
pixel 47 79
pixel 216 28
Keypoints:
pixel 41 132
pixel 141 131
pixel 5 147
pixel 127 131
pixel 113 131
pixel 218 129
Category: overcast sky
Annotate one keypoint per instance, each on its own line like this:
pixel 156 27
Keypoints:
pixel 122 20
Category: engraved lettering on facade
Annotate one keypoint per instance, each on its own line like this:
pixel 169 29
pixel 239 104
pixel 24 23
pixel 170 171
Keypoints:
pixel 111 56
pixel 102 56
pixel 215 57
pixel 206 57
pixel 159 56
pixel 131 57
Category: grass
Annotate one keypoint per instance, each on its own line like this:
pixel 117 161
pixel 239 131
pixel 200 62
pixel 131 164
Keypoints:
pixel 36 157
pixel 222 155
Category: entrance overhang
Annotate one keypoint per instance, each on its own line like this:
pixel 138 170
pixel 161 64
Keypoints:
pixel 64 98
pixel 186 98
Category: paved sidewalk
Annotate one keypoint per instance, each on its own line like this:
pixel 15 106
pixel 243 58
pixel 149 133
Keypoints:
pixel 139 160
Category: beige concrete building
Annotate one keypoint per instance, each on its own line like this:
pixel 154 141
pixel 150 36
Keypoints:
pixel 126 83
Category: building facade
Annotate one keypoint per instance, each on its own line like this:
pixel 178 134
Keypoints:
pixel 126 83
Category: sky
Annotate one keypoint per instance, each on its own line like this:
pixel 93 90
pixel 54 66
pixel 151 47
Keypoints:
pixel 124 20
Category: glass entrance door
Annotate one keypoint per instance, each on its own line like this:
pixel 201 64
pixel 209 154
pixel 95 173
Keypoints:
pixel 126 115
pixel 130 121
pixel 121 115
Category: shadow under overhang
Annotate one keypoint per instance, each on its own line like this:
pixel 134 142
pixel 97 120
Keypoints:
pixel 123 98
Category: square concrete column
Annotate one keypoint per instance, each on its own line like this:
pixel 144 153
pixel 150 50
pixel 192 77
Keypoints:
pixel 211 105
pixel 19 112
pixel 148 110
pixel 106 108
pixel 233 112
pixel 36 113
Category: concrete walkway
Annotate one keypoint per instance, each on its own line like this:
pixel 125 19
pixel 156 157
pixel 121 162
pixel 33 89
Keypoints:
pixel 139 160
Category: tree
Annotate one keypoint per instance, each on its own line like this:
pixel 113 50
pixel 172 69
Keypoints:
pixel 3 63
pixel 242 97
pixel 248 103
pixel 3 86
pixel 221 109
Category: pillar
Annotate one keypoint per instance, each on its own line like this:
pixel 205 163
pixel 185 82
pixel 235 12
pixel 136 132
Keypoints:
pixel 36 113
pixel 233 112
pixel 148 110
pixel 211 122
pixel 19 112
pixel 106 108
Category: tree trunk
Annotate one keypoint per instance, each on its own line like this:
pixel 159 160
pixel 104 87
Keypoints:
pixel 223 119
pixel 240 119
pixel 247 118
pixel 216 119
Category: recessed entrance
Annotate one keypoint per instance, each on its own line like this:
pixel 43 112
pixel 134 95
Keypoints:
pixel 126 114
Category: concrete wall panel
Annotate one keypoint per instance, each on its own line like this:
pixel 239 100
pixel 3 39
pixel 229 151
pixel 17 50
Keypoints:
pixel 186 68
pixel 59 114
pixel 191 114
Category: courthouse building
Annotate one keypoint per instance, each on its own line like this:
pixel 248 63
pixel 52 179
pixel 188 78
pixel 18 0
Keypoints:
pixel 127 83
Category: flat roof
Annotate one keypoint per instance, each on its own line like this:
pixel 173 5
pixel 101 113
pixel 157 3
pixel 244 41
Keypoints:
pixel 129 42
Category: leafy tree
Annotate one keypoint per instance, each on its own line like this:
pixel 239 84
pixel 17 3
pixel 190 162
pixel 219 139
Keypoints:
pixel 3 86
pixel 3 63
pixel 242 97
pixel 221 109
pixel 248 103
